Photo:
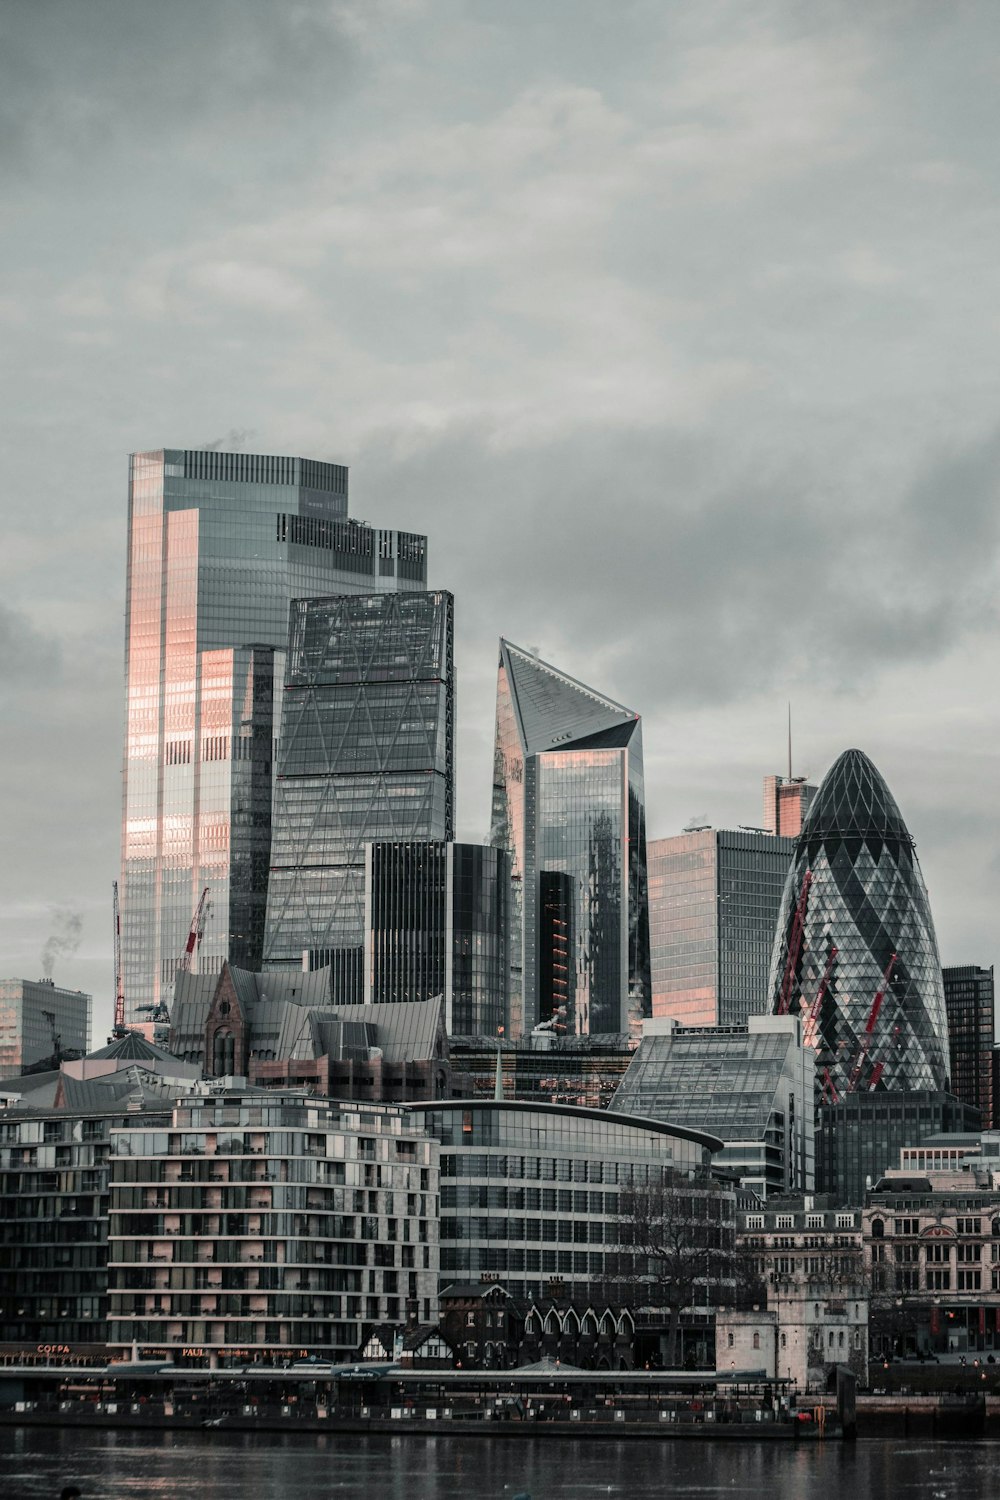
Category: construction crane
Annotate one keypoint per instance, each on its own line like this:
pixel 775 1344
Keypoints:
pixel 196 933
pixel 812 1020
pixel 830 1094
pixel 866 1039
pixel 794 946
pixel 120 1029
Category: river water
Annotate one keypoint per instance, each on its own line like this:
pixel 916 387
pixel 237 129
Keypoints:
pixel 231 1466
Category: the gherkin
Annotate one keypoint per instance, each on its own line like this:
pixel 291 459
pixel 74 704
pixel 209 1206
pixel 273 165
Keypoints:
pixel 855 952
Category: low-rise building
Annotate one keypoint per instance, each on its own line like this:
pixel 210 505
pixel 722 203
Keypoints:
pixel 801 1238
pixel 804 1332
pixel 252 1227
pixel 280 1030
pixel 541 1067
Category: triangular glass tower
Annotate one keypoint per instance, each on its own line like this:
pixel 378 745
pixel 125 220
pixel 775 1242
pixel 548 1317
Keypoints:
pixel 855 953
pixel 569 807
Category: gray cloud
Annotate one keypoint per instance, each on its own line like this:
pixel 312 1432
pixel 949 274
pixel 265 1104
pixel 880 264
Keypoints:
pixel 27 657
pixel 667 323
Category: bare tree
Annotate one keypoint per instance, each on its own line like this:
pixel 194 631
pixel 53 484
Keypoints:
pixel 678 1240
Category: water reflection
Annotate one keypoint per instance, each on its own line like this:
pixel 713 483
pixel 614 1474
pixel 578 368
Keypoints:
pixel 218 1466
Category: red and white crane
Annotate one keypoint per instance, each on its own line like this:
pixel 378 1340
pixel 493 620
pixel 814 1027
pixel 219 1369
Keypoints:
pixel 794 946
pixel 866 1039
pixel 196 933
pixel 812 1019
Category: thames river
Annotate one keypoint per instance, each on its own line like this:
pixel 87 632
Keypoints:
pixel 220 1466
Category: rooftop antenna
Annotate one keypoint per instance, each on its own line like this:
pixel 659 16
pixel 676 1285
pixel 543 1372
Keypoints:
pixel 789 741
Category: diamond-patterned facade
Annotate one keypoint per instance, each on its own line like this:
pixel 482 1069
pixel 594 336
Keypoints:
pixel 855 951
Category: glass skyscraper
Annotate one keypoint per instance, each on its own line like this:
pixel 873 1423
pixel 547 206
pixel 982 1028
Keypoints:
pixel 855 952
pixel 436 924
pixel 366 754
pixel 569 808
pixel 714 898
pixel 219 544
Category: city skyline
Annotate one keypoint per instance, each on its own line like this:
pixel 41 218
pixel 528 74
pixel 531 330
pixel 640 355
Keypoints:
pixel 669 335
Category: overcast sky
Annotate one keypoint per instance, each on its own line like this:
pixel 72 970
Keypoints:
pixel 673 324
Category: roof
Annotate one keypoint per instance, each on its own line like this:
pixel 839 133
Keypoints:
pixel 554 711
pixel 575 1112
pixel 853 801
pixel 470 1290
pixel 727 1082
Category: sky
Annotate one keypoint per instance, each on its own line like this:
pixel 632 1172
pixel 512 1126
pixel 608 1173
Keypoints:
pixel 674 326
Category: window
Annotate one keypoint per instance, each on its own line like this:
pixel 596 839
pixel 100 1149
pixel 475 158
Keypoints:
pixel 756 1340
pixel 814 1221
pixel 906 1226
pixel 878 1229
pixel 729 1341
pixel 845 1221
pixel 784 1221
pixel 756 1221
pixel 939 1281
pixel 969 1281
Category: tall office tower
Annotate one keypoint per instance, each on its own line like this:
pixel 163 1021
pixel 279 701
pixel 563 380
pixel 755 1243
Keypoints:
pixel 219 544
pixel 787 800
pixel 714 898
pixel 968 999
pixel 436 925
pixel 38 1021
pixel 855 952
pixel 366 754
pixel 569 808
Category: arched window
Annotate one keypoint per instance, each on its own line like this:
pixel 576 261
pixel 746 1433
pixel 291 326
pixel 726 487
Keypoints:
pixel 756 1340
pixel 878 1229
pixel 995 1227
pixel 224 1054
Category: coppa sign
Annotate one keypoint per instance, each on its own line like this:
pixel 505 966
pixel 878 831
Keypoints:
pixel 52 1349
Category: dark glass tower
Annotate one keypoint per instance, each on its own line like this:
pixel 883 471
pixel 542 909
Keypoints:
pixel 366 754
pixel 218 546
pixel 855 952
pixel 569 808
pixel 968 998
pixel 436 924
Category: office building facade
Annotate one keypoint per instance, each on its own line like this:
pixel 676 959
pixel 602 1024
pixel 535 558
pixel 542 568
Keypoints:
pixel 569 809
pixel 366 754
pixel 436 925
pixel 855 952
pixel 248 1227
pixel 860 1137
pixel 750 1085
pixel 38 1020
pixel 969 999
pixel 218 546
pixel 532 1192
pixel 714 899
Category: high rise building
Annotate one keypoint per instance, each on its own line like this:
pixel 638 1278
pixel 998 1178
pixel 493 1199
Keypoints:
pixel 714 898
pixel 436 925
pixel 366 754
pixel 40 1021
pixel 968 998
pixel 855 952
pixel 787 800
pixel 218 546
pixel 569 808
